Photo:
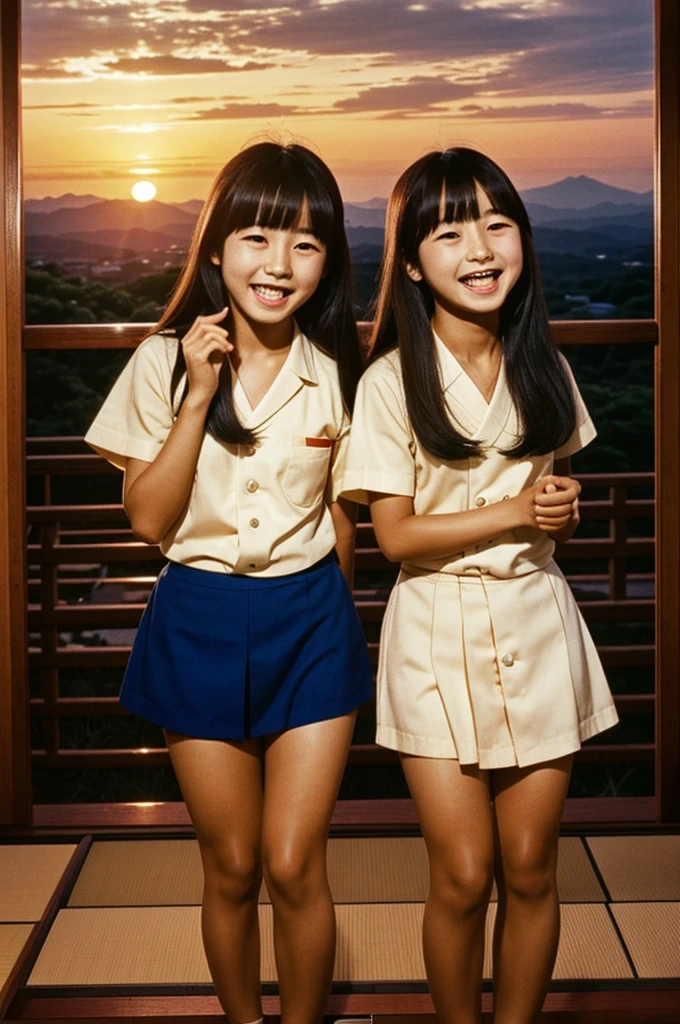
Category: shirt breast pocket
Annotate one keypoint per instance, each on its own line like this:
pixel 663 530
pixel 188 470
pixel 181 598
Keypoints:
pixel 306 476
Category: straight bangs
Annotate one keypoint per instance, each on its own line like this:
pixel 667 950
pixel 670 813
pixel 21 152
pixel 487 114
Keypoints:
pixel 447 193
pixel 275 194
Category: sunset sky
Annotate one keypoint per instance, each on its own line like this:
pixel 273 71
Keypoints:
pixel 169 90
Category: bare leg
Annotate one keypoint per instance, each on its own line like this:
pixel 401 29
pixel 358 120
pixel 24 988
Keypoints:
pixel 222 786
pixel 303 771
pixel 454 809
pixel 528 804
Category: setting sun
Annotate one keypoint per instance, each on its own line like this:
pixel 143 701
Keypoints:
pixel 143 191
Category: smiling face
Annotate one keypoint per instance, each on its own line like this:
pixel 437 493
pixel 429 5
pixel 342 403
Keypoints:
pixel 470 266
pixel 269 273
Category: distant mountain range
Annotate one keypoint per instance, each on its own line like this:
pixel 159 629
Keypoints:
pixel 51 203
pixel 571 193
pixel 119 214
pixel 576 214
pixel 575 197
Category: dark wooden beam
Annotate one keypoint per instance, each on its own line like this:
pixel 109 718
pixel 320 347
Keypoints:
pixel 565 332
pixel 15 780
pixel 621 1005
pixel 668 408
pixel 370 816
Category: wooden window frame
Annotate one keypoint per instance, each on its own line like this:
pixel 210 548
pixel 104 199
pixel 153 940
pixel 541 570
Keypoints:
pixel 16 808
pixel 667 408
pixel 15 749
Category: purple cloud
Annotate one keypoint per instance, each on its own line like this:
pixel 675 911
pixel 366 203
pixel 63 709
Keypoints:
pixel 246 111
pixel 576 47
pixel 418 94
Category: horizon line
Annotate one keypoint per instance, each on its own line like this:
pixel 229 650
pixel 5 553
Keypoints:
pixel 197 199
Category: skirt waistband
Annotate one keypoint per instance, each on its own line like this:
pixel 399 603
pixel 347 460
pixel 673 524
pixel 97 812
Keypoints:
pixel 471 575
pixel 235 581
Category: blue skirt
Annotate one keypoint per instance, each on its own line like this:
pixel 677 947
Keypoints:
pixel 221 656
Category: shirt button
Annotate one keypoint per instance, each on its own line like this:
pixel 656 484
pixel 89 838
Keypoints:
pixel 254 523
pixel 252 565
pixel 508 660
pixel 480 501
pixel 252 486
pixel 250 450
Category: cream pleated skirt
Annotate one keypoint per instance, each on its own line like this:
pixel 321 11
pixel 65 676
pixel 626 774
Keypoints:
pixel 488 671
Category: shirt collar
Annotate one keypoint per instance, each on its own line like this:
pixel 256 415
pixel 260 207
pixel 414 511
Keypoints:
pixel 482 421
pixel 297 371
pixel 300 359
pixel 447 364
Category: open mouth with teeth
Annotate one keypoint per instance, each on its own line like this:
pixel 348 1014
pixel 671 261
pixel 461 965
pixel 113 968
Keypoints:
pixel 484 281
pixel 271 295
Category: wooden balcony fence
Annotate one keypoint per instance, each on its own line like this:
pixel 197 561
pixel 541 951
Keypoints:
pixel 77 549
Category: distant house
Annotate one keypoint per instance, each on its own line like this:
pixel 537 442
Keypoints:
pixel 601 310
pixel 105 269
pixel 80 267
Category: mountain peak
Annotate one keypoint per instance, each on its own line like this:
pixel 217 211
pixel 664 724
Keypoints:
pixel 581 191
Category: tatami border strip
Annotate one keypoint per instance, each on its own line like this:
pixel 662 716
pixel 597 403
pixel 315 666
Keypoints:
pixel 28 956
pixel 340 988
pixel 608 900
pixel 18 975
pixel 596 867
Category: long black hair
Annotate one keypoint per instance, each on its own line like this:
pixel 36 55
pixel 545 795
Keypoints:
pixel 537 380
pixel 268 185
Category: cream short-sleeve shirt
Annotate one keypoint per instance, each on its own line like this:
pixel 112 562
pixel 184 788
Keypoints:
pixel 260 510
pixel 386 457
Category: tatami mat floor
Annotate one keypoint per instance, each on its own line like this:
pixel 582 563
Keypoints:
pixel 376 942
pixel 377 870
pixel 132 918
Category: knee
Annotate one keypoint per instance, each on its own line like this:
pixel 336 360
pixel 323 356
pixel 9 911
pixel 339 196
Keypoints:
pixel 294 879
pixel 465 889
pixel 233 876
pixel 530 878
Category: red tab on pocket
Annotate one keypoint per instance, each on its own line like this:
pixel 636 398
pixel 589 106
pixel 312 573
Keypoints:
pixel 318 442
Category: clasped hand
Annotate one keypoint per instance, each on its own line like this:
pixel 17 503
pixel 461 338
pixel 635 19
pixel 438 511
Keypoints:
pixel 551 505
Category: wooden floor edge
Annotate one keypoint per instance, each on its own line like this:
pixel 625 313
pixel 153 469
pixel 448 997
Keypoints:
pixel 584 1007
pixel 349 815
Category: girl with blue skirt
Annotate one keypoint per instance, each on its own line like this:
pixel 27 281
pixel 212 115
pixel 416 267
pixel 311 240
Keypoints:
pixel 231 422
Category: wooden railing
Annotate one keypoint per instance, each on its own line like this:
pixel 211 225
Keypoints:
pixel 76 551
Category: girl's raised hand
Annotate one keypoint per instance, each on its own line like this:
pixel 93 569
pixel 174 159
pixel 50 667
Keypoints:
pixel 206 346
